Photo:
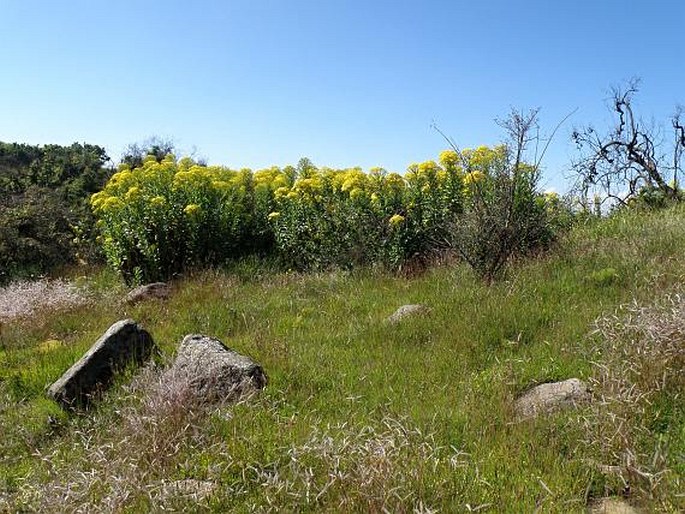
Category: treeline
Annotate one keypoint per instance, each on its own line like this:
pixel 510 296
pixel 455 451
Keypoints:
pixel 45 219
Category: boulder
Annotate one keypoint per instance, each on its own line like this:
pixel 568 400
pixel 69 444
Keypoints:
pixel 611 506
pixel 211 372
pixel 154 291
pixel 406 311
pixel 124 343
pixel 552 396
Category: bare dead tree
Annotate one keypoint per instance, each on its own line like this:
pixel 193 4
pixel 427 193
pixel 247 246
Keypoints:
pixel 618 165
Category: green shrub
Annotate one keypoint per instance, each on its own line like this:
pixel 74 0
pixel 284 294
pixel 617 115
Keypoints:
pixel 45 220
pixel 159 219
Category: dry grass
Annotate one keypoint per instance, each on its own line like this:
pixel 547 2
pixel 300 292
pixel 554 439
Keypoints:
pixel 349 468
pixel 131 465
pixel 24 298
pixel 129 457
pixel 639 386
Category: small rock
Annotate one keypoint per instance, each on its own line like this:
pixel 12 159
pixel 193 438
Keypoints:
pixel 212 372
pixel 124 342
pixel 552 396
pixel 154 291
pixel 611 506
pixel 406 311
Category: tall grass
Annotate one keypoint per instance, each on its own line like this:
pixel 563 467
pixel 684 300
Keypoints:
pixel 360 415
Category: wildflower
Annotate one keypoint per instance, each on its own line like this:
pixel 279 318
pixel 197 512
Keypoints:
pixel 132 192
pixel 427 168
pixel 474 177
pixel 158 201
pixel 449 158
pixel 97 199
pixel 396 219
pixel 280 192
pixel 274 215
pixel 356 193
pixel 192 209
pixel 111 204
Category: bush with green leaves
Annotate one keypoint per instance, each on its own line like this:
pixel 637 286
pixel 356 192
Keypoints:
pixel 505 215
pixel 342 218
pixel 45 221
pixel 166 216
pixel 163 217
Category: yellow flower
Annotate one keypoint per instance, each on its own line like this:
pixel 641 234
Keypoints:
pixel 221 185
pixel 132 192
pixel 192 209
pixel 427 167
pixel 158 201
pixel 97 199
pixel 280 192
pixel 395 181
pixel 474 177
pixel 395 220
pixel 112 203
pixel 121 176
pixel 274 215
pixel 449 158
pixel 356 193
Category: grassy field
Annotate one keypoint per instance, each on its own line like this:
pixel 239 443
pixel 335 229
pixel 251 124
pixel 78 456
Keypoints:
pixel 364 416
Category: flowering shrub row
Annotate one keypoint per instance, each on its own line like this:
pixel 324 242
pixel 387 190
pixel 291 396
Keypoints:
pixel 162 217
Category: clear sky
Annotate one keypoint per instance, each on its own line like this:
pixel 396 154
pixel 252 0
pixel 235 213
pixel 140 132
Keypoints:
pixel 252 83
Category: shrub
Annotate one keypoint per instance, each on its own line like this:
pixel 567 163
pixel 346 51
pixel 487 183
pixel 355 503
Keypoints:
pixel 347 217
pixel 504 214
pixel 44 217
pixel 160 218
pixel 35 235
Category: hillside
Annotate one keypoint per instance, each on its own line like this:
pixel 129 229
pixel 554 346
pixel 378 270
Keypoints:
pixel 365 416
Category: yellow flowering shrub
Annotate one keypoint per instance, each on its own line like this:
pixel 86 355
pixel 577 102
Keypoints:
pixel 163 217
pixel 160 218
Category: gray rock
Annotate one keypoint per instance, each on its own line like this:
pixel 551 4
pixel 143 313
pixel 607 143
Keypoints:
pixel 611 506
pixel 124 343
pixel 154 291
pixel 212 372
pixel 407 311
pixel 552 396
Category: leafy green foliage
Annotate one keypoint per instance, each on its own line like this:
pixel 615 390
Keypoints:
pixel 44 210
pixel 164 217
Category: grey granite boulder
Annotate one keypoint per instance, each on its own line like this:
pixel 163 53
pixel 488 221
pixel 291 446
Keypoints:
pixel 407 311
pixel 212 372
pixel 154 291
pixel 124 343
pixel 552 396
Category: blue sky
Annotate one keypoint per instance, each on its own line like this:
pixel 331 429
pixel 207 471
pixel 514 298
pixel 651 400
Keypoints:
pixel 260 82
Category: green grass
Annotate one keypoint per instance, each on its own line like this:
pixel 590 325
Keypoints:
pixel 360 415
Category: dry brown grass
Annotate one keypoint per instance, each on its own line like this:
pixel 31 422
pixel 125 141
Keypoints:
pixel 129 459
pixel 638 376
pixel 23 298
